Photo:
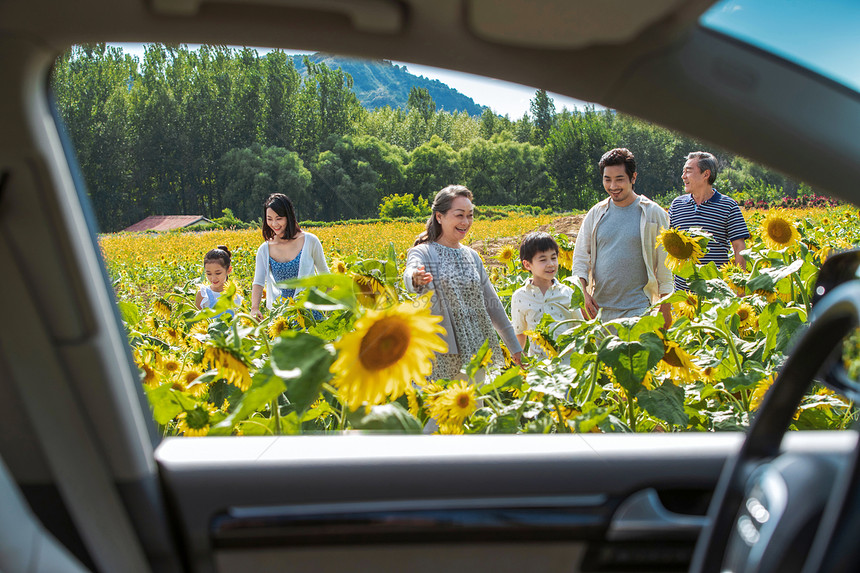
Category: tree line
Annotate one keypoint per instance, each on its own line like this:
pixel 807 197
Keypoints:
pixel 184 131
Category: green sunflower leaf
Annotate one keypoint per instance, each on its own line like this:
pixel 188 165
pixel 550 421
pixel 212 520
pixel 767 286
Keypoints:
pixel 265 387
pixel 302 361
pixel 392 418
pixel 665 402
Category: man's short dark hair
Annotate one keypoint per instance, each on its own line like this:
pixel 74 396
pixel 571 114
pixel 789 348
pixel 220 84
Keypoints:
pixel 705 160
pixel 619 156
pixel 536 242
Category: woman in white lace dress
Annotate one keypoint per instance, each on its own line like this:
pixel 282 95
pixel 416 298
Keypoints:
pixel 462 293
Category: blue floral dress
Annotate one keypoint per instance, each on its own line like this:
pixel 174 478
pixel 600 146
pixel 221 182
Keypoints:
pixel 286 271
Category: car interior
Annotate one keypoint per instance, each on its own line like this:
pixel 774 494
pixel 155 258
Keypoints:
pixel 87 484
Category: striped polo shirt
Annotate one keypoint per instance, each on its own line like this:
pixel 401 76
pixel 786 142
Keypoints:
pixel 720 216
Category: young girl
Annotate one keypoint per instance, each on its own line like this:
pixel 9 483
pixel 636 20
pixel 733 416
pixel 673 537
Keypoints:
pixel 217 265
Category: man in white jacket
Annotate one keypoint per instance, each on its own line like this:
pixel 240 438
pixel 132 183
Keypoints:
pixel 616 256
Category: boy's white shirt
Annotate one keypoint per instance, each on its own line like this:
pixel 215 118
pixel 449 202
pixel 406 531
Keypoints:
pixel 529 304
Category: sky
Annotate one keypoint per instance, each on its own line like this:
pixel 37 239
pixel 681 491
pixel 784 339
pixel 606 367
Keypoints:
pixel 502 97
pixel 821 35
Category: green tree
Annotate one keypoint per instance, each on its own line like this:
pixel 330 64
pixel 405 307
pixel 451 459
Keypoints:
pixel 572 151
pixel 431 167
pixel 420 101
pixel 504 172
pixel 543 113
pixel 279 106
pixel 90 84
pixel 250 174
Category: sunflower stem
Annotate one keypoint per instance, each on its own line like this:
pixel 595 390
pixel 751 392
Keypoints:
pixel 734 400
pixel 803 294
pixel 847 417
pixel 631 411
pixel 726 335
pixel 276 415
pixel 562 421
pixel 342 415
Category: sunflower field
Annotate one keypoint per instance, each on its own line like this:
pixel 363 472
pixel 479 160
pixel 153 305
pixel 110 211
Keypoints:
pixel 352 350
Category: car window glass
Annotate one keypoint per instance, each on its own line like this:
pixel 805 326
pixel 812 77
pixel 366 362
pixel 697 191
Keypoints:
pixel 181 146
pixel 821 36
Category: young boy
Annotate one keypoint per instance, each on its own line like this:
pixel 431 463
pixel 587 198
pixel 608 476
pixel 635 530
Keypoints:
pixel 542 293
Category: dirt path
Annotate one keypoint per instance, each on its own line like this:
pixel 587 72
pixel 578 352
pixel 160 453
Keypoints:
pixel 490 248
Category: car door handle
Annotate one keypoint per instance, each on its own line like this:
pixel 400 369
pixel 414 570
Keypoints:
pixel 643 516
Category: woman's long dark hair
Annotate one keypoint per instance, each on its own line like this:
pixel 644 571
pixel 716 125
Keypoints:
pixel 441 204
pixel 280 204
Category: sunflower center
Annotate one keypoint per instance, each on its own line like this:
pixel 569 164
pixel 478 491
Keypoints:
pixel 743 314
pixel 384 344
pixel 672 359
pixel 780 231
pixel 676 246
pixel 463 401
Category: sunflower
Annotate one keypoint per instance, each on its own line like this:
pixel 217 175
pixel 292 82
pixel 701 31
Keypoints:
pixel 450 429
pixel 688 307
pixel 680 248
pixel 338 266
pixel 748 318
pixel 735 277
pixel 171 365
pixel 542 342
pixel 191 385
pixel 709 374
pixel 229 367
pixel 432 392
pixel 566 413
pixel 161 308
pixel 278 326
pixel 386 351
pixel 760 390
pixel 173 335
pixel 412 400
pixel 149 377
pixel 565 259
pixel 457 403
pixel 195 422
pixel 507 254
pixel 507 356
pixel 370 292
pixel 197 331
pixel 678 364
pixel 778 231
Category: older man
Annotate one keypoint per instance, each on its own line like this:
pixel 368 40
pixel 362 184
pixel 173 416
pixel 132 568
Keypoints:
pixel 705 207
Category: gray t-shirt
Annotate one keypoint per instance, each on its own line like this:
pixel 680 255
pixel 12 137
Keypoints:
pixel 619 268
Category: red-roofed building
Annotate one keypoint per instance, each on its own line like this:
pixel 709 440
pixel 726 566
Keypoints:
pixel 167 222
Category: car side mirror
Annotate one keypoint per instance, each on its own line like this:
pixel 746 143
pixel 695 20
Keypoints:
pixel 837 269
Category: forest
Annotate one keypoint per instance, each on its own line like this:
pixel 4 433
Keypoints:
pixel 197 131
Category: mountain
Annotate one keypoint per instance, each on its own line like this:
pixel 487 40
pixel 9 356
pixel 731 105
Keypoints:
pixel 379 83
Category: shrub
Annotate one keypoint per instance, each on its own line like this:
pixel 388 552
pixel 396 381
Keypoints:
pixel 394 206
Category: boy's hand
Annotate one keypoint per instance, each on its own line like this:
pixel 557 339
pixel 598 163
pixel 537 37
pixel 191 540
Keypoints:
pixel 256 313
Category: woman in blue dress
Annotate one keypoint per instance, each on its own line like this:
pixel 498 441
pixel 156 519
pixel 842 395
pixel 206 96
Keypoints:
pixel 287 252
